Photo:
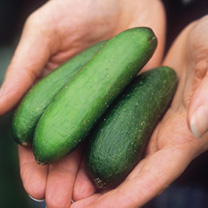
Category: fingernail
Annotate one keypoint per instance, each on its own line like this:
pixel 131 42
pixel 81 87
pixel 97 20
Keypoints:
pixel 36 200
pixel 199 122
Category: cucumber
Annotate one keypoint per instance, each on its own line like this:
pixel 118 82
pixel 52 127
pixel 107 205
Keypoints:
pixel 117 143
pixel 40 95
pixel 75 110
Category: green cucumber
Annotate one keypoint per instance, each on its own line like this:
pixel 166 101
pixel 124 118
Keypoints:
pixel 117 143
pixel 40 95
pixel 75 110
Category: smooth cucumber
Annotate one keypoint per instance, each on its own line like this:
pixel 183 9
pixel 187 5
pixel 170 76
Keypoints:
pixel 75 110
pixel 41 94
pixel 117 143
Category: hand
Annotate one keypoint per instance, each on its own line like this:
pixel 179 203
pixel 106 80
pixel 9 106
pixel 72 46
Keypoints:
pixel 173 145
pixel 52 35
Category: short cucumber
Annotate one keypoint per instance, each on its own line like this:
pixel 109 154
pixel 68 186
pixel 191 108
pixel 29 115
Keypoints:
pixel 40 95
pixel 117 143
pixel 69 118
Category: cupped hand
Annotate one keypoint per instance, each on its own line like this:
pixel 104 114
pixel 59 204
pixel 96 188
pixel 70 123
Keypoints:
pixel 60 29
pixel 51 35
pixel 175 141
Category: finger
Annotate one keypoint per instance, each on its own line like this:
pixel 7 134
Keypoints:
pixel 83 186
pixel 158 25
pixel 61 179
pixel 198 110
pixel 30 56
pixel 33 175
pixel 85 202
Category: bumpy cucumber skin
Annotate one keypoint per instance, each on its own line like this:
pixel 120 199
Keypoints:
pixel 69 118
pixel 40 95
pixel 117 143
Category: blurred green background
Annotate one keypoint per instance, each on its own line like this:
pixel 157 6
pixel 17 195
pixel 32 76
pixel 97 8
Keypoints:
pixel 13 14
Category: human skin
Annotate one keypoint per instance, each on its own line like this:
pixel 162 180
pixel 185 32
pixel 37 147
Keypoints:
pixel 179 138
pixel 51 35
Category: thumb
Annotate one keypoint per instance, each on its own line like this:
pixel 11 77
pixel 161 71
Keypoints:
pixel 198 110
pixel 27 63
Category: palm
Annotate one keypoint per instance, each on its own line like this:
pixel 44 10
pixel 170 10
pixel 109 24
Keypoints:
pixel 55 33
pixel 172 146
